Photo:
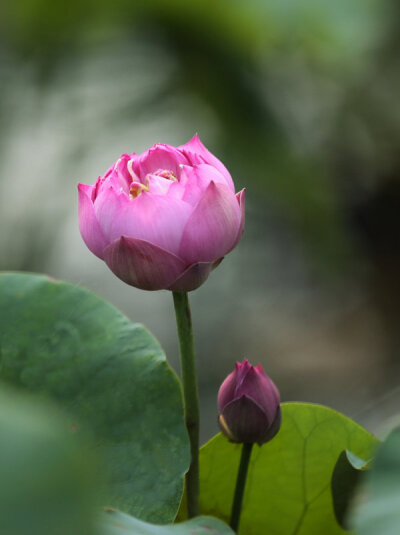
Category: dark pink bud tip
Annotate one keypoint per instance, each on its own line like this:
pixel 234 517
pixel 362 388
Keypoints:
pixel 249 405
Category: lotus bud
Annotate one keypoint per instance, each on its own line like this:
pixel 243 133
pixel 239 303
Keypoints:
pixel 163 219
pixel 249 405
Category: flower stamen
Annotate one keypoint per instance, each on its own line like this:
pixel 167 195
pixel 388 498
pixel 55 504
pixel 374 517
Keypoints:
pixel 136 188
pixel 165 173
pixel 130 169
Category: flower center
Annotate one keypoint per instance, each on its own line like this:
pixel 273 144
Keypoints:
pixel 136 189
pixel 150 182
pixel 165 173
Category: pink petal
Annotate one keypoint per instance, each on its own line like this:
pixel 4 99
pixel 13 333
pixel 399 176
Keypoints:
pixel 243 368
pixel 176 190
pixel 159 185
pixel 109 204
pixel 197 153
pixel 192 277
pixel 95 188
pixel 241 198
pixel 196 179
pixel 262 390
pixel 89 227
pixel 274 427
pixel 213 226
pixel 226 392
pixel 159 157
pixel 246 421
pixel 123 174
pixel 157 219
pixel 142 264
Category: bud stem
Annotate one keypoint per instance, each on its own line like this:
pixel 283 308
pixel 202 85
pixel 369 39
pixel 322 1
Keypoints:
pixel 190 396
pixel 240 486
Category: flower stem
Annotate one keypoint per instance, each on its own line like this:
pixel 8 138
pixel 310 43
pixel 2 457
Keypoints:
pixel 240 485
pixel 190 396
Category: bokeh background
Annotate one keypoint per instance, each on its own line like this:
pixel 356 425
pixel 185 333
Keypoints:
pixel 300 100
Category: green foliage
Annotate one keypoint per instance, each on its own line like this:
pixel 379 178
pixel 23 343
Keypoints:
pixel 112 377
pixel 345 480
pixel 288 488
pixel 46 479
pixel 380 511
pixel 116 523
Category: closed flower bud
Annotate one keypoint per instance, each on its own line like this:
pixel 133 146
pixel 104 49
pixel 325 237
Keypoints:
pixel 163 219
pixel 249 405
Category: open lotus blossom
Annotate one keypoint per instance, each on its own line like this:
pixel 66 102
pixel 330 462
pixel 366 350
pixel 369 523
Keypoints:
pixel 249 405
pixel 163 219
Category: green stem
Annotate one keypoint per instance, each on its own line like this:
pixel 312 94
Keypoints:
pixel 190 396
pixel 240 485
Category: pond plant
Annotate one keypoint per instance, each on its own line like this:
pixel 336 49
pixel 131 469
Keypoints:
pixel 122 430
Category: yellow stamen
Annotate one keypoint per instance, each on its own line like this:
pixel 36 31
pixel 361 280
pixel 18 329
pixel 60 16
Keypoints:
pixel 225 427
pixel 169 175
pixel 136 189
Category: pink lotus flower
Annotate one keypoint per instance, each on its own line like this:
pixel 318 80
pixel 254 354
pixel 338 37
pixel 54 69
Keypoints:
pixel 249 405
pixel 163 219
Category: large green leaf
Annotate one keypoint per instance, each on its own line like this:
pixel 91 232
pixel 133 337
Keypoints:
pixel 63 341
pixel 345 479
pixel 116 523
pixel 379 514
pixel 47 480
pixel 288 489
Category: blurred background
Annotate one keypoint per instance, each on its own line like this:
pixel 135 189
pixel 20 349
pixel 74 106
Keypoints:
pixel 299 100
